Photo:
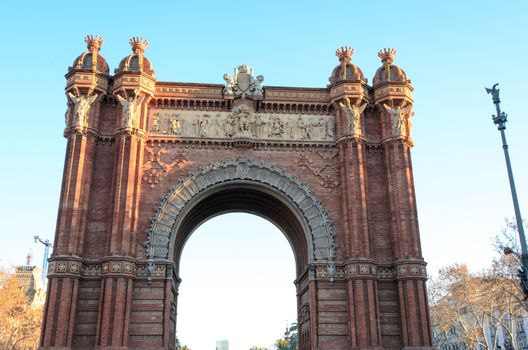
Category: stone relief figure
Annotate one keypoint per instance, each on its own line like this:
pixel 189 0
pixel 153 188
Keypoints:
pixel 259 126
pixel 290 128
pixel 353 114
pixel 230 126
pixel 174 126
pixel 305 132
pixel 81 106
pixel 218 126
pixel 155 123
pixel 241 122
pixel 244 121
pixel 202 127
pixel 320 126
pixel 397 115
pixel 330 129
pixel 277 127
pixel 130 108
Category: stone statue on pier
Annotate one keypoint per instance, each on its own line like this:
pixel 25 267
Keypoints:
pixel 81 107
pixel 130 108
pixel 397 115
pixel 353 114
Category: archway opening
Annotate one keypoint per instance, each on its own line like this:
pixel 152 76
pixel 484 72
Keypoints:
pixel 237 273
pixel 246 186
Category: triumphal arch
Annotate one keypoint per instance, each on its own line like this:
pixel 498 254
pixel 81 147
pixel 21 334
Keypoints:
pixel 148 161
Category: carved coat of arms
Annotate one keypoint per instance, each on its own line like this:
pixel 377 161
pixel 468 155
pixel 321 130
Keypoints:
pixel 243 84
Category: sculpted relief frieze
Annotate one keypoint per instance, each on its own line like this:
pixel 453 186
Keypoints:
pixel 241 122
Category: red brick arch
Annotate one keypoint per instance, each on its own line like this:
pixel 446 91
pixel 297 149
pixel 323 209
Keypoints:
pixel 243 184
pixel 330 166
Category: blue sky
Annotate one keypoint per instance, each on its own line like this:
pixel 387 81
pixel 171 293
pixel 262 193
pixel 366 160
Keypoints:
pixel 450 50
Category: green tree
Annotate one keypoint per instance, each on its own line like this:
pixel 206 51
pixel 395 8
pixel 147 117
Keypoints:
pixel 181 347
pixel 290 339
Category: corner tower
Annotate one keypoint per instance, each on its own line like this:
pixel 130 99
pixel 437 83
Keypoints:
pixel 86 86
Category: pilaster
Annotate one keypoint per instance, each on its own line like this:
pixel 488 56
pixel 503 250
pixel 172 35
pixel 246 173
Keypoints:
pixel 85 87
pixel 351 96
pixel 133 88
pixel 393 99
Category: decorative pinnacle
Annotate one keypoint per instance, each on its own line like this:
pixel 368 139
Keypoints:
pixel 494 93
pixel 138 44
pixel 501 118
pixel 344 53
pixel 93 43
pixel 387 55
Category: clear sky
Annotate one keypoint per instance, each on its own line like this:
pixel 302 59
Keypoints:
pixel 450 50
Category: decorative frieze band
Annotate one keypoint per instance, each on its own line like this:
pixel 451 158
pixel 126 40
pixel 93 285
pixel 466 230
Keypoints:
pixel 90 79
pixel 183 91
pixel 348 89
pixel 150 270
pixel 295 95
pixel 370 270
pixel 391 91
pixel 127 81
pixel 122 268
pixel 242 122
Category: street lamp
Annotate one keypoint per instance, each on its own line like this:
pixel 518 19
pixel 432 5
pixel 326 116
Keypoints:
pixel 500 120
pixel 47 244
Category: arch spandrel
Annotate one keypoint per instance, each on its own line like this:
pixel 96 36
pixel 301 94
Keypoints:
pixel 284 187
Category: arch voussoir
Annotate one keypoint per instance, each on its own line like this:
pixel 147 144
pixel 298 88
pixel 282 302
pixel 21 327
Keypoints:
pixel 320 237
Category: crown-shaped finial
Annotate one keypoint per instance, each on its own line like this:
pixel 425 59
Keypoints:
pixel 344 53
pixel 93 43
pixel 138 44
pixel 387 55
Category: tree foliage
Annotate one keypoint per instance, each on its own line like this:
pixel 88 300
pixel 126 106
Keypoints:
pixel 19 320
pixel 178 345
pixel 477 307
pixel 289 342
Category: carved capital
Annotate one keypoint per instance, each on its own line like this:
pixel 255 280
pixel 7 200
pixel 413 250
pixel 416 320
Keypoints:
pixel 65 266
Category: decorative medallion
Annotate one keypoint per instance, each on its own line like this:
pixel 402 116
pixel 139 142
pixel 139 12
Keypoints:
pixel 61 267
pixel 116 267
pixel 74 268
pixel 128 267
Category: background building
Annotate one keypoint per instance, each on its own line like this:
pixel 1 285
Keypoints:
pixel 29 278
pixel 222 345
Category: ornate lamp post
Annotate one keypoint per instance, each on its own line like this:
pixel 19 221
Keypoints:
pixel 500 120
pixel 47 245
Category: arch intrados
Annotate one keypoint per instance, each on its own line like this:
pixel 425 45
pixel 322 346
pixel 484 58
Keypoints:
pixel 246 197
pixel 291 206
